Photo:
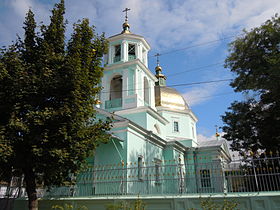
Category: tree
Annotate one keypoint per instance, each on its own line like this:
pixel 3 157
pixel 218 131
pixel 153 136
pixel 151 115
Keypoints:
pixel 48 90
pixel 255 59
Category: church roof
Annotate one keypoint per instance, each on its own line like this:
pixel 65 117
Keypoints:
pixel 136 35
pixel 170 98
pixel 212 143
pixel 216 143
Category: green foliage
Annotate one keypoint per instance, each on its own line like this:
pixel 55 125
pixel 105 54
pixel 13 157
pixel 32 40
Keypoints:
pixel 255 59
pixel 48 89
pixel 68 207
pixel 210 204
pixel 136 205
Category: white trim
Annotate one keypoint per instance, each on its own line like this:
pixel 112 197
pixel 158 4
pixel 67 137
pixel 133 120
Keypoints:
pixel 129 63
pixel 146 139
pixel 119 131
pixel 187 111
pixel 149 110
pixel 129 36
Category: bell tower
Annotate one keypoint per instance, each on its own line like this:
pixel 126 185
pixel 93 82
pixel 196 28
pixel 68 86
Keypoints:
pixel 127 81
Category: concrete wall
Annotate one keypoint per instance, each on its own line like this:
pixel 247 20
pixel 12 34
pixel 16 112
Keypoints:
pixel 252 201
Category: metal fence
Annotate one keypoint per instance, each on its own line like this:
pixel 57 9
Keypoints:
pixel 193 176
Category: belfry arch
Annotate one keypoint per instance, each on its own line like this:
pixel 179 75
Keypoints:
pixel 116 87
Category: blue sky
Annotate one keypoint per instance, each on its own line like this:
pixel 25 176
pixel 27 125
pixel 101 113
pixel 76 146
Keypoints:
pixel 168 25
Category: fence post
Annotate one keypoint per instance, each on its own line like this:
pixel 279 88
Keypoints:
pixel 255 175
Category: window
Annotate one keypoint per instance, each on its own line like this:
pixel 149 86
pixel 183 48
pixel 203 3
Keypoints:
pixel 176 126
pixel 116 87
pixel 117 56
pixel 205 178
pixel 131 52
pixel 140 168
pixel 157 171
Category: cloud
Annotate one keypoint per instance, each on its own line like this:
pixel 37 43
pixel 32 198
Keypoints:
pixel 198 95
pixel 21 6
pixel 201 137
pixel 166 24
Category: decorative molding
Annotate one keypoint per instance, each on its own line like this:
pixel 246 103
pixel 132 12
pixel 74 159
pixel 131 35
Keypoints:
pixel 129 63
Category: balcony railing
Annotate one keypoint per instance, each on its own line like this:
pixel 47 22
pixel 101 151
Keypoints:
pixel 115 103
pixel 131 57
pixel 117 58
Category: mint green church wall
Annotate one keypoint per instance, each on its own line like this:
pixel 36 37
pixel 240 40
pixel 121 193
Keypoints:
pixel 140 118
pixel 200 162
pixel 174 166
pixel 185 125
pixel 140 146
pixel 152 122
pixel 108 157
pixel 147 121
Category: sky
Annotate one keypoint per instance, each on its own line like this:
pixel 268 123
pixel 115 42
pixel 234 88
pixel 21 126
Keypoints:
pixel 192 37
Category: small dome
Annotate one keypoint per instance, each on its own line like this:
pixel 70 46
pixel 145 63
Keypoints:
pixel 170 98
pixel 158 68
pixel 126 24
pixel 126 27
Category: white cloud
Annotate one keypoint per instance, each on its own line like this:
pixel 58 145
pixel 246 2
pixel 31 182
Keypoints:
pixel 21 6
pixel 201 137
pixel 167 24
pixel 200 94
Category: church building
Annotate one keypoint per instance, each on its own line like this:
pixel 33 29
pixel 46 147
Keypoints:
pixel 154 147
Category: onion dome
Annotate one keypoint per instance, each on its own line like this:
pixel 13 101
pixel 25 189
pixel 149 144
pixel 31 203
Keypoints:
pixel 170 98
pixel 166 96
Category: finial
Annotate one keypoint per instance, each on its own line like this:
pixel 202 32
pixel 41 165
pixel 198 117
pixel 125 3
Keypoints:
pixel 158 67
pixel 125 24
pixel 217 134
pixel 159 75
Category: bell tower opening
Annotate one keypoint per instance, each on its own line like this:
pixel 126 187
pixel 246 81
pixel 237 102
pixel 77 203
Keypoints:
pixel 117 54
pixel 131 52
pixel 116 87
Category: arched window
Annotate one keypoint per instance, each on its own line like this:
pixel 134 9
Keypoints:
pixel 116 87
pixel 146 91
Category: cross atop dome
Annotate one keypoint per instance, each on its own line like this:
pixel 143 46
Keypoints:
pixel 161 78
pixel 125 24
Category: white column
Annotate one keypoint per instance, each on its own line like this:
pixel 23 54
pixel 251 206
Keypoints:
pixel 152 92
pixel 105 92
pixel 139 51
pixel 111 54
pixel 124 52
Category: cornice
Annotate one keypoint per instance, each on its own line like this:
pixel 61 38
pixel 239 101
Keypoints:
pixel 144 109
pixel 187 111
pixel 131 36
pixel 129 63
